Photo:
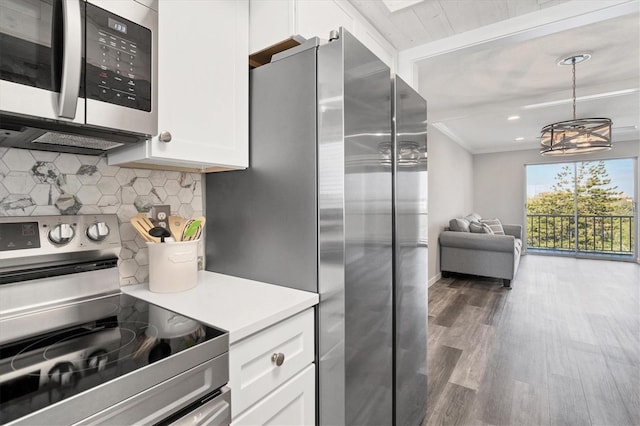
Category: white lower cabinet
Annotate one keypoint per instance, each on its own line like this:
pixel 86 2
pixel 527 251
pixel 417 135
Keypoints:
pixel 291 404
pixel 272 375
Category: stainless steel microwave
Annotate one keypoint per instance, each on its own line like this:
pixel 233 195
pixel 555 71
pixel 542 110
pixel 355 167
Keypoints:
pixel 77 75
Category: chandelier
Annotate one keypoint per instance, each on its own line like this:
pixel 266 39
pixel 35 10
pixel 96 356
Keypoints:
pixel 576 136
pixel 409 153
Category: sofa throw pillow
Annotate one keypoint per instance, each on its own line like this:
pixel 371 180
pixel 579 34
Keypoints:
pixel 495 225
pixel 480 228
pixel 459 225
pixel 473 217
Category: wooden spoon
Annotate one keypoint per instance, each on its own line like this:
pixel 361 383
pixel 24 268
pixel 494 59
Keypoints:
pixel 177 225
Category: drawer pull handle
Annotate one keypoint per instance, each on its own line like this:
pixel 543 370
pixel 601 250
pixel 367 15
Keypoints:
pixel 277 359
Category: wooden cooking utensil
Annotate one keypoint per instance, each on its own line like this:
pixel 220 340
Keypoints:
pixel 176 226
pixel 189 228
pixel 193 229
pixel 140 229
pixel 142 224
pixel 146 220
pixel 200 228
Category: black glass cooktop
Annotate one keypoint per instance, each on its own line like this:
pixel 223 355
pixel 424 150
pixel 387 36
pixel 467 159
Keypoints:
pixel 68 350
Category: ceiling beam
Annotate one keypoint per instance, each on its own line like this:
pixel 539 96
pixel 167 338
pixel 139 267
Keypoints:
pixel 565 16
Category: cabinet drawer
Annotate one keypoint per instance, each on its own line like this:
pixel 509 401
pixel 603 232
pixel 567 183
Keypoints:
pixel 291 404
pixel 252 372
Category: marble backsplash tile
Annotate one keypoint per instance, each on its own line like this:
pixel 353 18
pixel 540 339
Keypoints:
pixel 34 183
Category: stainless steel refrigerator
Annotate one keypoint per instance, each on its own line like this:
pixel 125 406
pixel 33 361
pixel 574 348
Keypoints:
pixel 335 202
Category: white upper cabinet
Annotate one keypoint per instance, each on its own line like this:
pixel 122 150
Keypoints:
pixel 319 18
pixel 203 88
pixel 272 21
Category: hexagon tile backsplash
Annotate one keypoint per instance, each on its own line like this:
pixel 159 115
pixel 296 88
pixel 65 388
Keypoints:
pixel 38 183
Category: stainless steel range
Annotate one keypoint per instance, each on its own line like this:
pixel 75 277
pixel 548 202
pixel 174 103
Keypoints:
pixel 74 350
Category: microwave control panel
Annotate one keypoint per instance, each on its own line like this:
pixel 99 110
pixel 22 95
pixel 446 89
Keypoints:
pixel 118 60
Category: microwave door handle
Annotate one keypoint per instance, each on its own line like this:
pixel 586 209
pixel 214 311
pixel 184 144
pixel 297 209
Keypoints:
pixel 71 59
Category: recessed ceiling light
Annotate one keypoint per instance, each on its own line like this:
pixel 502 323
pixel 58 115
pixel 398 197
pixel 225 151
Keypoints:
pixel 395 5
pixel 519 138
pixel 513 117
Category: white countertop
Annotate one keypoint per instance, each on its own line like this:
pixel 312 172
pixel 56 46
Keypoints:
pixel 240 306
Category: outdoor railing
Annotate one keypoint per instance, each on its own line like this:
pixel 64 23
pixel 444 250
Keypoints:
pixel 594 234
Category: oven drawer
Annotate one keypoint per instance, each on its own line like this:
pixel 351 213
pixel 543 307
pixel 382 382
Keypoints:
pixel 210 411
pixel 253 362
pixel 160 402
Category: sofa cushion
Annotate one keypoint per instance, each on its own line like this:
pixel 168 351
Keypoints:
pixel 459 225
pixel 480 228
pixel 473 241
pixel 495 225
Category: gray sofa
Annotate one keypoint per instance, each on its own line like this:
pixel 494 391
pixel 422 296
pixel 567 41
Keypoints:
pixel 482 254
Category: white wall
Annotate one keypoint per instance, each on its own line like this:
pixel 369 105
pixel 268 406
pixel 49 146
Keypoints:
pixel 450 190
pixel 499 178
pixel 490 184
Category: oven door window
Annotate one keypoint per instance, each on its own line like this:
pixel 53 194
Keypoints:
pixel 30 42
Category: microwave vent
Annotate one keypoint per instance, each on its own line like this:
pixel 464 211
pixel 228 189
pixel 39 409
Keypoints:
pixel 64 139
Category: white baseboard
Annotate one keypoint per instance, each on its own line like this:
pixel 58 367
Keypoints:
pixel 434 279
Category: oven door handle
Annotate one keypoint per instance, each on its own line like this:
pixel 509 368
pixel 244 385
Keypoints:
pixel 213 413
pixel 71 59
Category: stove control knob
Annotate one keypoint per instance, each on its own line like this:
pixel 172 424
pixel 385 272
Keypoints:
pixel 64 374
pixel 98 231
pixel 61 234
pixel 97 361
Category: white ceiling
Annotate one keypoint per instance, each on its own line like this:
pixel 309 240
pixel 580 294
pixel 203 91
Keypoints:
pixel 479 62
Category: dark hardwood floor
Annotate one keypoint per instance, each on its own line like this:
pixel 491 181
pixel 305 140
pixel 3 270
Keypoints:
pixel 561 348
